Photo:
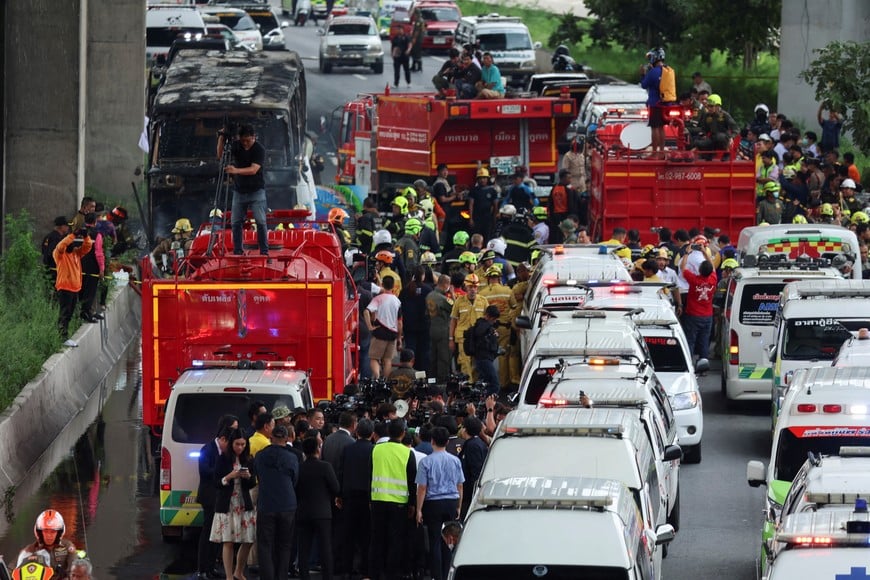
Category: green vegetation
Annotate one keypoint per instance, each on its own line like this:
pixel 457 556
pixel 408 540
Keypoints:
pixel 28 315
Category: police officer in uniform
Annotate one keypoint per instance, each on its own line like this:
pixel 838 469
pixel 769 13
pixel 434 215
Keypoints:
pixel 439 305
pixel 466 310
pixel 499 295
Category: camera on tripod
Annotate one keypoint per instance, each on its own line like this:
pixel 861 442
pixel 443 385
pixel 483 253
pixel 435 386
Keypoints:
pixel 229 131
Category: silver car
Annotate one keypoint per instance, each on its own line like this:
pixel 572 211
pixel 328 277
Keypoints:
pixel 351 41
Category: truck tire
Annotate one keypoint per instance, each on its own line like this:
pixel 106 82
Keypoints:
pixel 378 68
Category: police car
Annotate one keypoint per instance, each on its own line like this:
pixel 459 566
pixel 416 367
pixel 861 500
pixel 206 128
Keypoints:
pixel 748 322
pixel 829 543
pixel 825 409
pixel 571 527
pixel 814 319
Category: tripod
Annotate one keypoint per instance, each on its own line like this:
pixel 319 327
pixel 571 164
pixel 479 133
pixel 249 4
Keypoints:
pixel 222 189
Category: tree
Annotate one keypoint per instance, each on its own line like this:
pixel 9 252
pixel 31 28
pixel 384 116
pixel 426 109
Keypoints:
pixel 841 76
pixel 635 23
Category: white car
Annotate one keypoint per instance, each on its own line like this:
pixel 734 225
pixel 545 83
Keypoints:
pixel 242 25
pixel 351 41
pixel 274 40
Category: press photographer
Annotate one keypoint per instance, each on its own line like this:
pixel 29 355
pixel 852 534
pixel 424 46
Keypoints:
pixel 249 185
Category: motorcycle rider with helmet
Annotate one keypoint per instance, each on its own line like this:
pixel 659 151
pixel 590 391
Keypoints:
pixel 562 61
pixel 49 544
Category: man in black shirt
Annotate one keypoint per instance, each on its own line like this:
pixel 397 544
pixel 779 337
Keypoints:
pixel 249 187
pixel 443 79
pixel 401 52
pixel 466 78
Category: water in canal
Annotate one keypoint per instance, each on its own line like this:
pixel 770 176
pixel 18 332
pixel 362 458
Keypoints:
pixel 101 476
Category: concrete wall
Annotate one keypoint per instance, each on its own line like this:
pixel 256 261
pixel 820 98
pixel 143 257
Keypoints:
pixel 54 398
pixel 74 102
pixel 807 26
pixel 115 96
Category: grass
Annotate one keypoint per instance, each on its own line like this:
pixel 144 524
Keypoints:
pixel 740 90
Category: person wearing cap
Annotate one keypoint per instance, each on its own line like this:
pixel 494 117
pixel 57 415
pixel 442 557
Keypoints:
pixel 768 172
pixel 502 297
pixel 466 310
pixel 699 84
pixel 486 348
pixel 277 470
pixel 538 222
pixel 439 305
pixel 568 228
pixel 770 208
pixel 519 195
pixel 564 200
pixel 482 205
pixel 50 242
pixel 718 128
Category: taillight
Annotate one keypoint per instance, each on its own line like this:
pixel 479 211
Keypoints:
pixel 832 408
pixel 806 408
pixel 734 349
pixel 548 403
pixel 165 469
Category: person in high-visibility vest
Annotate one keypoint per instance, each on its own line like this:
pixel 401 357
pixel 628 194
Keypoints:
pixel 394 474
pixel 466 310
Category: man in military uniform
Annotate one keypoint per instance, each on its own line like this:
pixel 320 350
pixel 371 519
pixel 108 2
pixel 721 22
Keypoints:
pixel 497 294
pixel 524 273
pixel 770 208
pixel 407 247
pixel 466 310
pixel 403 374
pixel 439 304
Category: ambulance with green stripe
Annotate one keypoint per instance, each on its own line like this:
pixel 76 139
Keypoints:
pixel 826 408
pixel 813 320
pixel 747 329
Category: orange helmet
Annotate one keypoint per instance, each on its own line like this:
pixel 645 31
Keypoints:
pixel 49 520
pixel 700 239
pixel 336 214
pixel 384 256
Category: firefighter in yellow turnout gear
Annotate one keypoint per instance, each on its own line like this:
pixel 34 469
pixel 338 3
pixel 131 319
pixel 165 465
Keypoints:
pixel 466 310
pixel 524 273
pixel 501 296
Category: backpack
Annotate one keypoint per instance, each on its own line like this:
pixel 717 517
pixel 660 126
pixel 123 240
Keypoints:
pixel 668 85
pixel 469 342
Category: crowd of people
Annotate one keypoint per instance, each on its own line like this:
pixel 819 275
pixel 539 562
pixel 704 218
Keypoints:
pixel 75 255
pixel 366 497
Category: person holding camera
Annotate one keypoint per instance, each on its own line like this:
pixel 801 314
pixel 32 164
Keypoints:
pixel 485 337
pixel 249 185
pixel 68 256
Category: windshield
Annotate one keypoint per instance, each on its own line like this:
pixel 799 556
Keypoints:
pixel 759 303
pixel 666 354
pixel 528 572
pixel 196 415
pixel 792 451
pixel 505 41
pixel 237 22
pixel 265 20
pixel 165 36
pixel 817 338
pixel 441 14
pixel 353 30
pixel 195 139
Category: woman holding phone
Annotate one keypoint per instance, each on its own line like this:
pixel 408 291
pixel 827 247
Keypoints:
pixel 234 518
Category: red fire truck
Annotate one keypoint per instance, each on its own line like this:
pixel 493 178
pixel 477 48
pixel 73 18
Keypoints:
pixel 685 189
pixel 402 137
pixel 297 304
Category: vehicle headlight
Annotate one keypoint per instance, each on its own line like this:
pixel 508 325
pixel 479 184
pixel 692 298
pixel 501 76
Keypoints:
pixel 376 48
pixel 683 401
pixel 332 50
pixel 528 64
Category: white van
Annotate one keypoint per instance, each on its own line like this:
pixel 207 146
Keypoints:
pixel 855 352
pixel 507 39
pixel 747 323
pixel 620 101
pixel 814 319
pixel 165 23
pixel 797 240
pixel 557 527
pixel 198 400
pixel 824 410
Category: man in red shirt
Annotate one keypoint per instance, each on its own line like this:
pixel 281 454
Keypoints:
pixel 698 316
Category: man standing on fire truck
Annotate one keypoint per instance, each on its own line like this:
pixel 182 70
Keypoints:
pixel 249 187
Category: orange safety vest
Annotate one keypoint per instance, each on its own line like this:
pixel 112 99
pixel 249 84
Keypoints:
pixel 559 198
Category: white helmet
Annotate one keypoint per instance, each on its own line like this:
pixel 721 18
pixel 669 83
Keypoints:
pixel 763 107
pixel 850 183
pixel 508 209
pixel 497 245
pixel 382 237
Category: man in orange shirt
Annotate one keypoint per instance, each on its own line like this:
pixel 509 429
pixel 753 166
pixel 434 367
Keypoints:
pixel 68 257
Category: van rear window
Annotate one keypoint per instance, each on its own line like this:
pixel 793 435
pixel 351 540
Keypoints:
pixel 164 36
pixel 519 40
pixel 792 451
pixel 537 571
pixel 666 354
pixel 196 415
pixel 759 302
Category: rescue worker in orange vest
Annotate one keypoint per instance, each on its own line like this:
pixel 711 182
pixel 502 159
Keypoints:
pixel 466 310
pixel 49 544
pixel 564 201
pixel 499 295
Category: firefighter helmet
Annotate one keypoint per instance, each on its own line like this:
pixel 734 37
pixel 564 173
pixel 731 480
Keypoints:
pixel 859 217
pixel 182 226
pixel 730 263
pixel 493 271
pixel 401 202
pixel 472 280
pixel 714 100
pixel 467 258
pixel 701 239
pixel 428 258
pixel 460 238
pixel 119 213
pixel 540 212
pixel 770 187
pixel 336 215
pixel 827 209
pixel 413 226
pixel 799 219
pixel 409 192
pixel 497 245
pixel 384 256
pixel 49 520
pixel 381 237
pixel 483 172
pixel 427 205
pixel 508 210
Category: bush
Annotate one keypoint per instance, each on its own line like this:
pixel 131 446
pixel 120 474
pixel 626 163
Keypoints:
pixel 28 315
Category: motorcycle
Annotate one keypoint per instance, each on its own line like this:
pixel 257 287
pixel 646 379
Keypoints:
pixel 303 10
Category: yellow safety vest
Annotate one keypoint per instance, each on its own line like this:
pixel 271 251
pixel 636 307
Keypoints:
pixel 390 472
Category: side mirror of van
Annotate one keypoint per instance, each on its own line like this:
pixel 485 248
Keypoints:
pixel 756 474
pixel 673 452
pixel 523 322
pixel 537 45
pixel 664 534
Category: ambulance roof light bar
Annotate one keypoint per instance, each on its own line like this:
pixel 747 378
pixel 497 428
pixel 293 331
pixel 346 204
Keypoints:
pixel 827 528
pixel 550 492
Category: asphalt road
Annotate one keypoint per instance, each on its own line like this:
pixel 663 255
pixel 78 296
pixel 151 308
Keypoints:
pixel 99 474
